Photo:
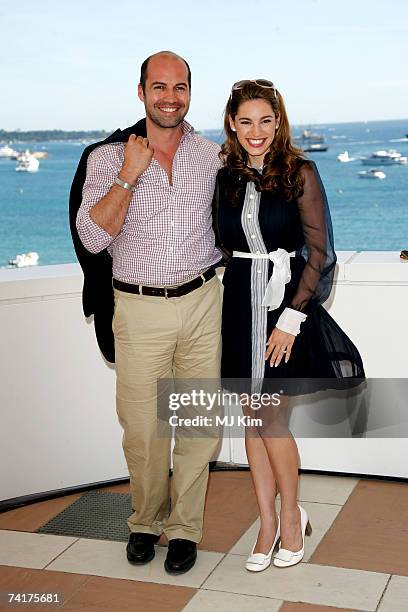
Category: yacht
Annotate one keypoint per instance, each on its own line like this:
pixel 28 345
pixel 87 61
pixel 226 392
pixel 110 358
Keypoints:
pixel 382 158
pixel 7 151
pixel 344 157
pixel 39 154
pixel 310 141
pixel 373 173
pixel 25 259
pixel 27 162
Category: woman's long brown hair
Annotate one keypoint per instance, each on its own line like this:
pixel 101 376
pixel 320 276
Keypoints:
pixel 283 160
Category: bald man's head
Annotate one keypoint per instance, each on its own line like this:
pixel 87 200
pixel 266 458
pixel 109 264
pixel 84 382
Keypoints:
pixel 144 67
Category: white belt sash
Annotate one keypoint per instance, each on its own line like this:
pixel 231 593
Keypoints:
pixel 281 275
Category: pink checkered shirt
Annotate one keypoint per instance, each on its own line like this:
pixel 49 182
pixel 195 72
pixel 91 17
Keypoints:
pixel 167 236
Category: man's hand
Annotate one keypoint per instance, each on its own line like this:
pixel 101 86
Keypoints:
pixel 279 345
pixel 138 155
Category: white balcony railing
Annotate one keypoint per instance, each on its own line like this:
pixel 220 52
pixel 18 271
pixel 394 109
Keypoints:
pixel 59 427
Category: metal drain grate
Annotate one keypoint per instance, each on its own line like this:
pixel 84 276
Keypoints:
pixel 96 515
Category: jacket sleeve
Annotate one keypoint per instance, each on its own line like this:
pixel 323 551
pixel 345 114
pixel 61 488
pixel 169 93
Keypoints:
pixel 100 175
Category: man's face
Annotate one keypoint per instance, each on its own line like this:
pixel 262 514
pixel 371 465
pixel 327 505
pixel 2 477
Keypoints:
pixel 167 95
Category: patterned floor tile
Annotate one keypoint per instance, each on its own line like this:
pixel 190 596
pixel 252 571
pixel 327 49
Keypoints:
pixel 371 530
pixel 395 598
pixel 31 549
pixel 230 510
pixel 325 489
pixel 108 559
pixel 208 601
pixel 289 606
pixel 109 595
pixel 33 516
pixel 314 584
pixel 23 580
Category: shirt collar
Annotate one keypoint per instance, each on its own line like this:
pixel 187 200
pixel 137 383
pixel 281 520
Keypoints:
pixel 187 128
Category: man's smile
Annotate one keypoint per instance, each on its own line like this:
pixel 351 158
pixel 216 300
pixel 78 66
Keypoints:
pixel 168 109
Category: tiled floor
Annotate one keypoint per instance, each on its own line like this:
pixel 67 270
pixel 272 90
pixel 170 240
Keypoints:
pixel 356 558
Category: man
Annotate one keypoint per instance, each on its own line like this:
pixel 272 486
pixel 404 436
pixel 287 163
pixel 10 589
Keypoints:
pixel 149 203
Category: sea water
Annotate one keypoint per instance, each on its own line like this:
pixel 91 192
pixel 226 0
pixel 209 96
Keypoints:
pixel 366 214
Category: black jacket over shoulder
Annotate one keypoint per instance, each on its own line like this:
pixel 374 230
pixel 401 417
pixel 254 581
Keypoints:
pixel 97 293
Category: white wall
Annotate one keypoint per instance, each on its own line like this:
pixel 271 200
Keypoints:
pixel 58 419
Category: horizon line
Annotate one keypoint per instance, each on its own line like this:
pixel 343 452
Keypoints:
pixel 205 129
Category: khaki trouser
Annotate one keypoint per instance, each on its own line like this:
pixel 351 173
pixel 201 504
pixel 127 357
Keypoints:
pixel 158 338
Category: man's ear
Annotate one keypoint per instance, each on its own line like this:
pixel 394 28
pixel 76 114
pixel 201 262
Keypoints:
pixel 140 92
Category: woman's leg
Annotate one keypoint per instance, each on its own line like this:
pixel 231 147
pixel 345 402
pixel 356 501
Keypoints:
pixel 265 489
pixel 283 456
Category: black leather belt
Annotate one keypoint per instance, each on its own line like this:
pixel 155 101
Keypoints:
pixel 167 292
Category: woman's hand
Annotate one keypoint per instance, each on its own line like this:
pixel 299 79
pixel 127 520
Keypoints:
pixel 278 346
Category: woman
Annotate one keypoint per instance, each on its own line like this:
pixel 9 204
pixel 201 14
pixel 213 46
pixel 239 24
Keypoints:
pixel 272 223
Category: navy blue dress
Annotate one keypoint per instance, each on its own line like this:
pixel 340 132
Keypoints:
pixel 260 222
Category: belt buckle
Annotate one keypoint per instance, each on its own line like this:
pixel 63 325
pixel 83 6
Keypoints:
pixel 165 293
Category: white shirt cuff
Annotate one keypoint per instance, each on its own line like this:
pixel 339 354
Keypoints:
pixel 290 321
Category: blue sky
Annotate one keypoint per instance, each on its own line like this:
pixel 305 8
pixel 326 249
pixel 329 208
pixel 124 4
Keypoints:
pixel 75 64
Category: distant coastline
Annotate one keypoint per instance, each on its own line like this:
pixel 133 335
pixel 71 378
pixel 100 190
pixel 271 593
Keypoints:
pixel 88 136
pixel 17 136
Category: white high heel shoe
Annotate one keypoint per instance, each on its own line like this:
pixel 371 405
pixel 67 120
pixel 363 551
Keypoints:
pixel 286 558
pixel 257 562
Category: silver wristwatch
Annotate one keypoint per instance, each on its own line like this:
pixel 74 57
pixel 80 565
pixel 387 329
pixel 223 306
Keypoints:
pixel 124 184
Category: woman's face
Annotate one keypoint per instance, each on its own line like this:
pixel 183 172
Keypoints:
pixel 255 124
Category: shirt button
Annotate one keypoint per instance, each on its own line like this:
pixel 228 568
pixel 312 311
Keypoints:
pixel 251 197
pixel 249 216
pixel 253 236
pixel 259 271
pixel 258 252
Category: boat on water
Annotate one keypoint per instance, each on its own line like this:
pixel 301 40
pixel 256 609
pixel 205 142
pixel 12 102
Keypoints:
pixel 373 173
pixel 27 162
pixel 310 141
pixel 7 151
pixel 383 158
pixel 344 157
pixel 25 259
pixel 39 154
pixel 312 136
pixel 314 146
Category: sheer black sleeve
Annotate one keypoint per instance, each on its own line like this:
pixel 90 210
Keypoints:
pixel 317 277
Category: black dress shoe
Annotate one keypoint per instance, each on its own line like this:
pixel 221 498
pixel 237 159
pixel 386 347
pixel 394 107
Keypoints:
pixel 181 556
pixel 140 548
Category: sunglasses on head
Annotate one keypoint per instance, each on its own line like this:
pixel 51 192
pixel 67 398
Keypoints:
pixel 260 82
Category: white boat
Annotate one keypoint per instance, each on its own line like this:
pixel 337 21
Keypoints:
pixel 310 141
pixel 344 157
pixel 373 173
pixel 7 151
pixel 382 158
pixel 25 259
pixel 39 154
pixel 27 162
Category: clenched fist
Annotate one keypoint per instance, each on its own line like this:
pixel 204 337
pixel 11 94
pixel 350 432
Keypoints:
pixel 138 155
